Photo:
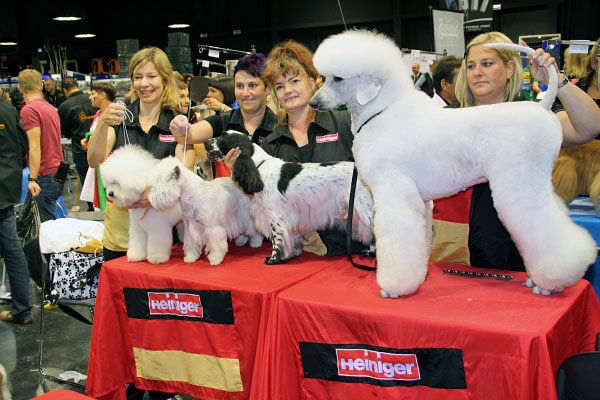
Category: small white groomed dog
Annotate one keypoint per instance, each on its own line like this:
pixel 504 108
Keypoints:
pixel 409 151
pixel 292 199
pixel 213 211
pixel 126 174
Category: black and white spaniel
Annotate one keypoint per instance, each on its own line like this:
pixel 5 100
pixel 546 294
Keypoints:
pixel 293 199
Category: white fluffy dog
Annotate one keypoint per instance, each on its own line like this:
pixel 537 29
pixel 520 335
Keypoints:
pixel 293 199
pixel 409 151
pixel 126 174
pixel 213 211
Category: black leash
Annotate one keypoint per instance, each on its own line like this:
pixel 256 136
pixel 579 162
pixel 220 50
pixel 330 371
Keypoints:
pixel 349 224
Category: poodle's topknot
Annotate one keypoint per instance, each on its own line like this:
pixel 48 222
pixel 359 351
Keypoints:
pixel 349 53
pixel 254 64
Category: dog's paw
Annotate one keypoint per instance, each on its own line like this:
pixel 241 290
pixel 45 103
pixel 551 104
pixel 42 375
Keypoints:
pixel 133 256
pixel 535 289
pixel 275 258
pixel 191 257
pixel 241 240
pixel 256 241
pixel 387 295
pixel 215 259
pixel 159 259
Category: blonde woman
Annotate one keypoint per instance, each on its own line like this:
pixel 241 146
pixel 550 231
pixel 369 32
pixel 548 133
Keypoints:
pixel 490 76
pixel 153 102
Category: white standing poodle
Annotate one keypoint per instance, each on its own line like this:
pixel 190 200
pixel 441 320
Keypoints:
pixel 126 174
pixel 213 211
pixel 409 151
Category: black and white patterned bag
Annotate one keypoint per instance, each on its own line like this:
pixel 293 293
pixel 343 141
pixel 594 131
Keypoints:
pixel 74 274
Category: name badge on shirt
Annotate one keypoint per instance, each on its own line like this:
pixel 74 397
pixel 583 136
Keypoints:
pixel 166 138
pixel 332 137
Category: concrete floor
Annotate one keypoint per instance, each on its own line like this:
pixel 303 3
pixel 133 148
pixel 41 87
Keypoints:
pixel 66 341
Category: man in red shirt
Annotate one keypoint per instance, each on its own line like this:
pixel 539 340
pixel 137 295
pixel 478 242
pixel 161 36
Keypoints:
pixel 42 124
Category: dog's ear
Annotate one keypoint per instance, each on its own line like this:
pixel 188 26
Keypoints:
pixel 246 175
pixel 367 89
pixel 176 173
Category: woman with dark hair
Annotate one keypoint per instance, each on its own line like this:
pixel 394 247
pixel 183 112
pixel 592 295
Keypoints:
pixel 221 94
pixel 253 117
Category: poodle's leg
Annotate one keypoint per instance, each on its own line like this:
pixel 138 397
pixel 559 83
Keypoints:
pixel 160 241
pixel 362 221
pixel 556 251
pixel 193 242
pixel 216 244
pixel 400 232
pixel 138 239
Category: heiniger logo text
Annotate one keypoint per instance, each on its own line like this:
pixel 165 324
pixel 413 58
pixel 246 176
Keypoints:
pixel 377 365
pixel 179 304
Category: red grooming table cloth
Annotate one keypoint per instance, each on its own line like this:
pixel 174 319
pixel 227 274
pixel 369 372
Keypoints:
pixel 457 337
pixel 187 328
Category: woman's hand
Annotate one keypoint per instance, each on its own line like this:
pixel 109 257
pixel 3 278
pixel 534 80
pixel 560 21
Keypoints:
pixel 179 125
pixel 540 60
pixel 113 114
pixel 215 104
pixel 231 156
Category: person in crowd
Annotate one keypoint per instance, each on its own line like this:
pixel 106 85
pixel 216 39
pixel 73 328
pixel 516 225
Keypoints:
pixel 184 102
pixel 589 82
pixel 576 65
pixel 490 76
pixel 253 117
pixel 101 96
pixel 187 77
pixel 153 103
pixel 302 134
pixel 444 79
pixel 416 72
pixel 51 92
pixel 76 115
pixel 221 94
pixel 13 147
pixel 5 95
pixel 42 124
pixel 425 80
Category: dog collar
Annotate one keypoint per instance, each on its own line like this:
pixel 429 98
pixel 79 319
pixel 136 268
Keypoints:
pixel 261 163
pixel 367 121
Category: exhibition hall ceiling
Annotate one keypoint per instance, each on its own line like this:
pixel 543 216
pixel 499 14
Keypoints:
pixel 34 30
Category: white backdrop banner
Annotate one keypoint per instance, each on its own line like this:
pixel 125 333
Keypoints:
pixel 448 32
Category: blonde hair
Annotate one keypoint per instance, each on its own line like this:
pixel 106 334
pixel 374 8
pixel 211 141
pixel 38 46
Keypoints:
pixel 513 87
pixel 156 56
pixel 30 80
pixel 577 65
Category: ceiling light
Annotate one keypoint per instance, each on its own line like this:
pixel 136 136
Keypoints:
pixel 179 26
pixel 85 35
pixel 8 43
pixel 66 18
